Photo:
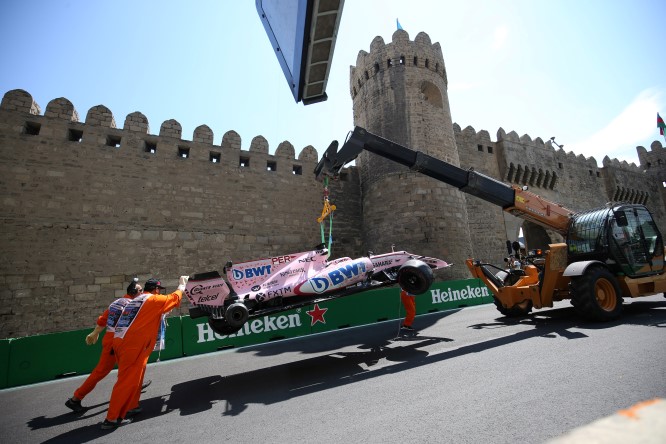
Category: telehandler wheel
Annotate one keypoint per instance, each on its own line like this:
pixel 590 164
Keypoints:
pixel 518 310
pixel 415 277
pixel 596 295
pixel 221 327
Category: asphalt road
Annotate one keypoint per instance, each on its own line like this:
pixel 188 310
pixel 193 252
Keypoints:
pixel 470 376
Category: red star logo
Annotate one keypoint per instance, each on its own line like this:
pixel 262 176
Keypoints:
pixel 317 315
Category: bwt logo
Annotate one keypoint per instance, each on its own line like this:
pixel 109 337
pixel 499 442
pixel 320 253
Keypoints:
pixel 251 272
pixel 319 285
pixel 347 272
pixel 337 277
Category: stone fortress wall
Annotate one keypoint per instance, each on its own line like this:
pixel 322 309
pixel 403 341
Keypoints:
pixel 86 206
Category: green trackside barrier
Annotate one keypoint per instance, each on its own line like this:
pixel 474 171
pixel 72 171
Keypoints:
pixel 58 355
pixel 173 341
pixel 199 338
pixel 384 304
pixel 360 309
pixel 453 294
pixel 46 357
pixel 4 362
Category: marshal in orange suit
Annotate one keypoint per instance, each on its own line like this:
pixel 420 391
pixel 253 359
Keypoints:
pixel 134 339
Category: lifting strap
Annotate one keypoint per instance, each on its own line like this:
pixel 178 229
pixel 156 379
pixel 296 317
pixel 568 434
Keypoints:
pixel 326 211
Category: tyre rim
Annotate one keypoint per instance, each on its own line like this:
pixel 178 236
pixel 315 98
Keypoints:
pixel 605 294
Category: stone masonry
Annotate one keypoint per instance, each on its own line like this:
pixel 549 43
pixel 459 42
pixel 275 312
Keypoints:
pixel 86 206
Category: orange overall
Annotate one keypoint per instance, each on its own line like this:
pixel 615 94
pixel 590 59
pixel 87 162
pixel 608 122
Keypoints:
pixel 133 351
pixel 410 308
pixel 107 360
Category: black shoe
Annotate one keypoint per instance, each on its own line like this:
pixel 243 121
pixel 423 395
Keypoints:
pixel 107 425
pixel 74 405
pixel 133 412
pixel 146 384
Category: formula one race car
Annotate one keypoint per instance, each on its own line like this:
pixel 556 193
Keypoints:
pixel 256 288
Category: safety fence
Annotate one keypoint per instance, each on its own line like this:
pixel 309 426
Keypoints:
pixel 48 357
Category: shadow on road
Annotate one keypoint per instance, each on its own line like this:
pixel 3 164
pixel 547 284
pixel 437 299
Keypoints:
pixel 379 354
pixel 560 320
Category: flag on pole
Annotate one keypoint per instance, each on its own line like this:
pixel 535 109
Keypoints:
pixel 398 24
pixel 660 124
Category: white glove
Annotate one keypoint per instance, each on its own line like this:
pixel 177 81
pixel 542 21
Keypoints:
pixel 92 338
pixel 182 282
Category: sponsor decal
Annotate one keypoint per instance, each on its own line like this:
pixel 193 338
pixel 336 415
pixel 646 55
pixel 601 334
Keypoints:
pixel 448 295
pixel 207 292
pixel 307 259
pixel 207 298
pixel 347 272
pixel 382 263
pixel 292 272
pixel 317 315
pixel 256 288
pixel 255 326
pixel 282 259
pixel 336 277
pixel 270 284
pixel 200 289
pixel 251 272
pixel 279 292
pixel 319 285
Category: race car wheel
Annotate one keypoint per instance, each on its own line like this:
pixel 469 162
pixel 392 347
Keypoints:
pixel 415 277
pixel 236 314
pixel 221 327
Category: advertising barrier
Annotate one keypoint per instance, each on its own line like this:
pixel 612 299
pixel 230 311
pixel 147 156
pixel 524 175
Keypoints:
pixel 46 357
pixel 355 310
pixel 4 362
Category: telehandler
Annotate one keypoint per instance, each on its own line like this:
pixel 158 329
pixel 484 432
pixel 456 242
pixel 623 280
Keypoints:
pixel 609 253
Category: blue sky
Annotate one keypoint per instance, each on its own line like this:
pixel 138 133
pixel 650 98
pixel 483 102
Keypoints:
pixel 589 72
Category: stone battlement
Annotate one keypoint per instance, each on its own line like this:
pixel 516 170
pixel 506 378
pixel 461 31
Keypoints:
pixel 420 53
pixel 136 124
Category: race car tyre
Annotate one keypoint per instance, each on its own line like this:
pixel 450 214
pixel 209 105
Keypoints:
pixel 236 314
pixel 596 295
pixel 415 277
pixel 221 327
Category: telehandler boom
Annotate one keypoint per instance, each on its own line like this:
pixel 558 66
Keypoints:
pixel 608 252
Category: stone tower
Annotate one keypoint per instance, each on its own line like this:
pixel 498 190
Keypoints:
pixel 399 92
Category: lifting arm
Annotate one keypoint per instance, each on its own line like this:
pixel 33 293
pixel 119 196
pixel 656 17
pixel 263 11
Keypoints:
pixel 512 199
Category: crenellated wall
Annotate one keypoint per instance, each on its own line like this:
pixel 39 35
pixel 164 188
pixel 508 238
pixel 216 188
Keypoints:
pixel 486 221
pixel 86 206
pixel 563 177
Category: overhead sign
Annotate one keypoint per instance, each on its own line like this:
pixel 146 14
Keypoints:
pixel 303 34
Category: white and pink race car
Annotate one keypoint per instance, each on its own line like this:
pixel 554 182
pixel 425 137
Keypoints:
pixel 256 288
